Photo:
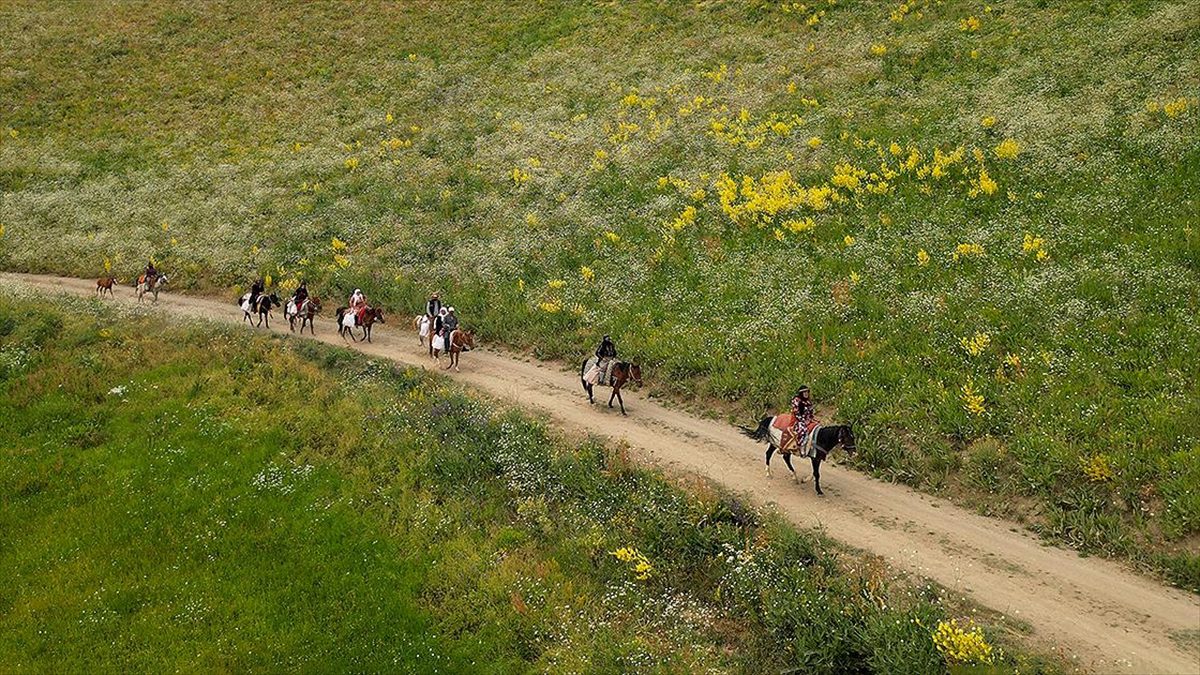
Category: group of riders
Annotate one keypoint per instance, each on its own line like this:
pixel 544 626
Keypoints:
pixel 440 321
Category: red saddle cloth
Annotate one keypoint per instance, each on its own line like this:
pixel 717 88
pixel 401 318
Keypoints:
pixel 788 438
pixel 361 312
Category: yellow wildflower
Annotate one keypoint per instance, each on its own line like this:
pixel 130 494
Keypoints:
pixel 972 401
pixel 987 122
pixel 1098 468
pixel 1007 149
pixel 967 251
pixel 519 176
pixel 389 119
pixel 556 283
pixel 970 24
pixel 848 240
pixel 351 163
pixel 960 646
pixel 587 273
pixel 337 244
pixel 976 344
pixel 878 49
pixel 814 142
pixel 922 258
pixel 612 237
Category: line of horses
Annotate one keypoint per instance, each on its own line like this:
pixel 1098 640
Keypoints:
pixel 824 439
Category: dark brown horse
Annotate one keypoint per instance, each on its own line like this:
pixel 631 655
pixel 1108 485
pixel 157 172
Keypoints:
pixel 347 320
pixel 105 283
pixel 460 341
pixel 824 440
pixel 622 372
pixel 305 312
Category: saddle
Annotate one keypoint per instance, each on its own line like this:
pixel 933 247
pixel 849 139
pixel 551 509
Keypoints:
pixel 789 440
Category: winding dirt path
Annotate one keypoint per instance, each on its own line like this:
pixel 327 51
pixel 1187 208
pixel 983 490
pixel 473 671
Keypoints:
pixel 1106 617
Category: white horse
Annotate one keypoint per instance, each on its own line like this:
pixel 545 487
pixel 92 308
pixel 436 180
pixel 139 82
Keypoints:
pixel 152 286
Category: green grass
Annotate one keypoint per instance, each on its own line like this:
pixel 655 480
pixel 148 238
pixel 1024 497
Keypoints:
pixel 235 141
pixel 201 498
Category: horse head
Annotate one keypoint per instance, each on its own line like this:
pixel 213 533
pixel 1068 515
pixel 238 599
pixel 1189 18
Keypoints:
pixel 846 438
pixel 468 338
pixel 376 314
pixel 314 305
pixel 635 373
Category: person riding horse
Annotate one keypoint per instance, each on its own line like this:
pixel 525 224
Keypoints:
pixel 803 412
pixel 434 307
pixel 449 325
pixel 358 304
pixel 256 289
pixel 606 356
pixel 150 273
pixel 300 295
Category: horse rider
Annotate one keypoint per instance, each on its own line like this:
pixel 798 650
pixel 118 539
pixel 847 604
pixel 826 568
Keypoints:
pixel 150 273
pixel 256 289
pixel 435 329
pixel 606 357
pixel 434 307
pixel 449 325
pixel 803 411
pixel 300 295
pixel 358 304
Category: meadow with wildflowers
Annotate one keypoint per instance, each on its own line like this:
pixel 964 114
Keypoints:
pixel 970 227
pixel 251 502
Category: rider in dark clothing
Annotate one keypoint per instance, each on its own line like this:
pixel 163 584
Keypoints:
pixel 151 272
pixel 300 294
pixel 803 409
pixel 606 356
pixel 449 325
pixel 433 307
pixel 256 289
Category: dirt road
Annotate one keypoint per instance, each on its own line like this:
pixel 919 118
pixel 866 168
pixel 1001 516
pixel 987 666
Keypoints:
pixel 1109 619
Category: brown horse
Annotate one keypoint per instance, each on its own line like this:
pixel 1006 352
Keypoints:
pixel 460 341
pixel 105 284
pixel 347 320
pixel 305 312
pixel 622 372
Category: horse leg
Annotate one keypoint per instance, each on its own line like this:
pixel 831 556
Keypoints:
pixel 617 391
pixel 787 459
pixel 770 451
pixel 816 466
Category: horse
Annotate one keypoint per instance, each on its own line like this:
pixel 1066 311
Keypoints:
pixel 262 306
pixel 153 286
pixel 305 312
pixel 347 320
pixel 105 283
pixel 460 341
pixel 622 372
pixel 824 440
pixel 422 324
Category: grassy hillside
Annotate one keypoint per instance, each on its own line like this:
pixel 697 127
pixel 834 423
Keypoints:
pixel 201 498
pixel 971 227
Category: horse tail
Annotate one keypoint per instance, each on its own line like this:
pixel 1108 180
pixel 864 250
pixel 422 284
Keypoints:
pixel 762 432
pixel 583 369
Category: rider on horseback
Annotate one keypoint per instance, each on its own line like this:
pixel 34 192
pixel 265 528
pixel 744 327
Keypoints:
pixel 256 289
pixel 300 295
pixel 433 307
pixel 606 357
pixel 803 412
pixel 449 325
pixel 150 273
pixel 358 304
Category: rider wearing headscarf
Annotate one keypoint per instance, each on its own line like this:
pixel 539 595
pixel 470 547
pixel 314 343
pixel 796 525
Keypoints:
pixel 300 294
pixel 358 304
pixel 449 325
pixel 606 356
pixel 151 272
pixel 256 289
